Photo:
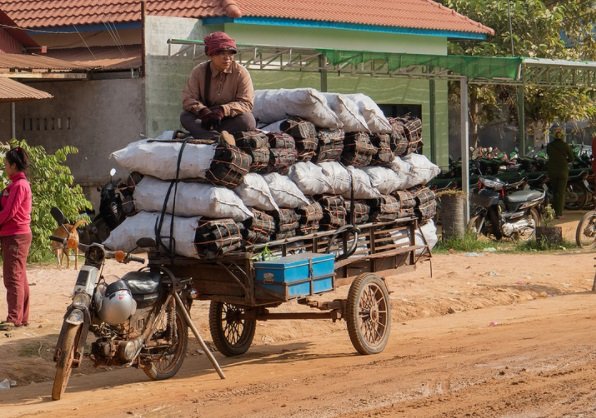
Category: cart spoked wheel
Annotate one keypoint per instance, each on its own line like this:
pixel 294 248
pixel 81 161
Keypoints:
pixel 231 331
pixel 368 314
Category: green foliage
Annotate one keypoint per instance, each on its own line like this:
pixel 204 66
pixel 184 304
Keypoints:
pixel 536 31
pixel 543 245
pixel 468 243
pixel 52 184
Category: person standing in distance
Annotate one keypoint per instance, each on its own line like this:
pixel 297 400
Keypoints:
pixel 15 235
pixel 559 155
pixel 219 94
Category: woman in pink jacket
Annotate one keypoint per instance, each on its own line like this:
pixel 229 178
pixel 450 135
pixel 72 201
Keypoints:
pixel 15 236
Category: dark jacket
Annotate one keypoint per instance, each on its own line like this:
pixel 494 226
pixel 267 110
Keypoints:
pixel 559 154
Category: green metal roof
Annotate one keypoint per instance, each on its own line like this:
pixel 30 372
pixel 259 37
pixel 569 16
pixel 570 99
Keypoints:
pixel 478 70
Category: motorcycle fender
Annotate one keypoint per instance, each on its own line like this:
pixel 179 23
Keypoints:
pixel 486 198
pixel 75 317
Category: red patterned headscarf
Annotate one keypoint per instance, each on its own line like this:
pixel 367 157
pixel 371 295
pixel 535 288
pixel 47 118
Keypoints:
pixel 219 41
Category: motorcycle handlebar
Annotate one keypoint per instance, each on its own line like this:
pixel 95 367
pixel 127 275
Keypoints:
pixel 131 257
pixel 120 256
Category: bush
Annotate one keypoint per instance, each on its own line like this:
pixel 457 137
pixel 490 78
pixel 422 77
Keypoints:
pixel 52 184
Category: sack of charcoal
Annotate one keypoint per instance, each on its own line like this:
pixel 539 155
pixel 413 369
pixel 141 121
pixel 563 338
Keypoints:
pixel 259 228
pixel 426 211
pixel 330 145
pixel 229 166
pixel 413 129
pixel 305 137
pixel 309 217
pixel 334 212
pixel 423 195
pixel 384 155
pixel 256 144
pixel 399 140
pixel 360 214
pixel 358 150
pixel 407 203
pixel 216 237
pixel 385 208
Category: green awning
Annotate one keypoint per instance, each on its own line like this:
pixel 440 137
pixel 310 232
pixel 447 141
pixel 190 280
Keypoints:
pixel 470 66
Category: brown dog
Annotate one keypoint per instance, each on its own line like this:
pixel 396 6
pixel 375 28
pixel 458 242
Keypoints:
pixel 72 244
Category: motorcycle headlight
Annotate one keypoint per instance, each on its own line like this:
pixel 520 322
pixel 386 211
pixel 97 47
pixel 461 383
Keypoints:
pixel 81 300
pixel 492 184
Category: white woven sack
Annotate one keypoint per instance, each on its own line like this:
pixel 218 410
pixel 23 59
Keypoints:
pixel 273 105
pixel 423 170
pixel 285 192
pixel 384 179
pixel 254 192
pixel 192 199
pixel 142 225
pixel 403 170
pixel 363 189
pixel 347 111
pixel 309 178
pixel 429 230
pixel 375 119
pixel 337 176
pixel 159 158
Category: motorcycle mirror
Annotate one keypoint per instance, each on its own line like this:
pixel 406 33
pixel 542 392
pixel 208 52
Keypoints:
pixel 146 242
pixel 58 216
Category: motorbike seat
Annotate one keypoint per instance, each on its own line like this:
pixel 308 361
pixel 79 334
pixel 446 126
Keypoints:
pixel 523 196
pixel 142 282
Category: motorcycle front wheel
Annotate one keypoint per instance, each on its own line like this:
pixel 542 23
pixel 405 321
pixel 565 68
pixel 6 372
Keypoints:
pixel 475 225
pixel 66 351
pixel 167 358
pixel 585 234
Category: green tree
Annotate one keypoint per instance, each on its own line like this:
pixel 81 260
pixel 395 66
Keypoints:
pixel 52 184
pixel 539 29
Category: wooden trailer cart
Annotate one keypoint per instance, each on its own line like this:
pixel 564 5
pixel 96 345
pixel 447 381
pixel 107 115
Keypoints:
pixel 243 286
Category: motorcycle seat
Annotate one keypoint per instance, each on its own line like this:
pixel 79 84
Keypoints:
pixel 142 282
pixel 523 196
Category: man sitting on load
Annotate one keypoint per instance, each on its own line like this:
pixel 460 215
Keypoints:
pixel 219 94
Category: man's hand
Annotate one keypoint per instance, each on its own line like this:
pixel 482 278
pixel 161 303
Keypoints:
pixel 199 111
pixel 213 118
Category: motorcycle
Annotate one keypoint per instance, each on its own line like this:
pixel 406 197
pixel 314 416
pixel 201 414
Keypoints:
pixel 139 320
pixel 585 234
pixel 578 191
pixel 505 209
pixel 115 204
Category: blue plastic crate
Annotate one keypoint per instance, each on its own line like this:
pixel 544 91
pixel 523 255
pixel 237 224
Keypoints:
pixel 297 275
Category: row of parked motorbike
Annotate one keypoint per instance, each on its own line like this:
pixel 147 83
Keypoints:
pixel 509 196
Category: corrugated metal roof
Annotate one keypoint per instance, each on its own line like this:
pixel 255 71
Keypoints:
pixel 104 58
pixel 36 62
pixel 415 14
pixel 13 91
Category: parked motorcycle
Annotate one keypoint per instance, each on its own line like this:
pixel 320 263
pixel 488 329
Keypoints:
pixel 115 204
pixel 578 191
pixel 139 320
pixel 585 234
pixel 503 209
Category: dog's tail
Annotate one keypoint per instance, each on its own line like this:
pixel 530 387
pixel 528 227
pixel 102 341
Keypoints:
pixel 78 224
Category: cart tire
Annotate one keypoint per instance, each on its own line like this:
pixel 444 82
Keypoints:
pixel 232 334
pixel 368 314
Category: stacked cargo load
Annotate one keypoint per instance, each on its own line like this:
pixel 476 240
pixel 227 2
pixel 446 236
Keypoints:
pixel 318 162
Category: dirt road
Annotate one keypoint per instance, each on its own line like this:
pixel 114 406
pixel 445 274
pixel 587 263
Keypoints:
pixel 488 335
